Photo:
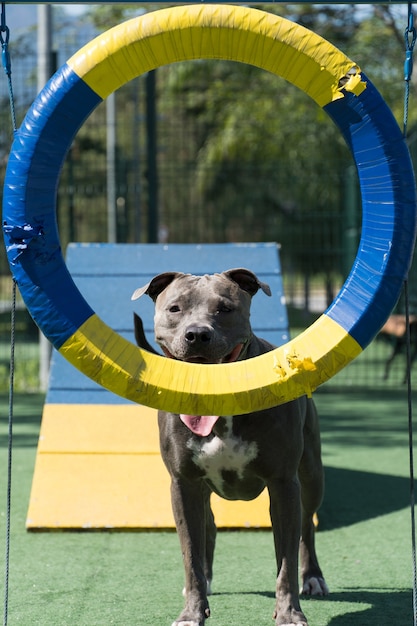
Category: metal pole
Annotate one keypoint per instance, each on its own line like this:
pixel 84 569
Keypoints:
pixel 44 73
pixel 137 224
pixel 45 56
pixel 151 149
pixel 111 168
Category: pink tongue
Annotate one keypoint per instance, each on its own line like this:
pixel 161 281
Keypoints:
pixel 200 424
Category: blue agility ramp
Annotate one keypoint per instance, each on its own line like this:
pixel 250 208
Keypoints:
pixel 98 462
pixel 108 274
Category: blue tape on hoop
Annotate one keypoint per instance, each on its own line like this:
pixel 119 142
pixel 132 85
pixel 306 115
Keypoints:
pixel 29 216
pixel 388 207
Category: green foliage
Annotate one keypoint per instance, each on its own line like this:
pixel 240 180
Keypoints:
pixel 26 373
pixel 108 15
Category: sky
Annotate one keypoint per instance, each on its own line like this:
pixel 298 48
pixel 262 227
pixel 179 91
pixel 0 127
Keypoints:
pixel 21 16
pixel 74 9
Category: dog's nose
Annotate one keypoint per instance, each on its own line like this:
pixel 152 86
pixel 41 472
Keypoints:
pixel 198 334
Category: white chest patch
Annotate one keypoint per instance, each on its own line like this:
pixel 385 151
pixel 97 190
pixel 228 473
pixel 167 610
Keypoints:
pixel 216 455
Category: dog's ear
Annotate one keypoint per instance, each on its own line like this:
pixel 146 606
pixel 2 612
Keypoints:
pixel 156 286
pixel 248 281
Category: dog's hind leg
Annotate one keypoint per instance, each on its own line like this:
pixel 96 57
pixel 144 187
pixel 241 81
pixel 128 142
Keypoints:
pixel 211 532
pixel 284 494
pixel 311 478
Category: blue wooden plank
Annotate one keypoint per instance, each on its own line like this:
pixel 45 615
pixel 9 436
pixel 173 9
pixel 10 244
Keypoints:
pixel 103 292
pixel 84 396
pixel 145 259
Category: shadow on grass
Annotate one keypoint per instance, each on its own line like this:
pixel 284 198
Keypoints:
pixel 384 605
pixel 27 415
pixel 355 496
pixel 387 607
pixel 366 419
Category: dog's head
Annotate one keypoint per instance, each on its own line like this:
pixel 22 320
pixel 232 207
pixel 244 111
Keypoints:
pixel 203 319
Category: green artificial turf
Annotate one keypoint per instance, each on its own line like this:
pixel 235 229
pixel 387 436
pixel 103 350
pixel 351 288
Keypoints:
pixel 135 578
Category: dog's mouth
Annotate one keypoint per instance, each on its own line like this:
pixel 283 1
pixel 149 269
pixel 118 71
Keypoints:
pixel 202 425
pixel 234 354
pixel 198 358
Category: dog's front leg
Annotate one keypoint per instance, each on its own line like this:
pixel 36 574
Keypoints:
pixel 189 501
pixel 285 510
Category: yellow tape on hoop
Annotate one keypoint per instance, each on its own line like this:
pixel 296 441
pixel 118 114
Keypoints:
pixel 216 32
pixel 242 387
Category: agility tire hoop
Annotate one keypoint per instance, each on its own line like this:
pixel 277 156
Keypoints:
pixel 283 48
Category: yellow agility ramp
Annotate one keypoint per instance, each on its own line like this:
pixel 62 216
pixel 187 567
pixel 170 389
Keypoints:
pixel 94 468
pixel 98 464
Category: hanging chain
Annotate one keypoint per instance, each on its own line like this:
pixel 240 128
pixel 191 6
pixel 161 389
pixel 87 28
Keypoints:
pixel 410 37
pixel 6 62
pixel 411 455
pixel 9 459
pixel 5 58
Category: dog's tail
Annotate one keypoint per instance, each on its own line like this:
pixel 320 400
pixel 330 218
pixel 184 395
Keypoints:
pixel 140 336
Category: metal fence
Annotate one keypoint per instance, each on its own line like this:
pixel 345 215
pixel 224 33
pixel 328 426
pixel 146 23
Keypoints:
pixel 156 198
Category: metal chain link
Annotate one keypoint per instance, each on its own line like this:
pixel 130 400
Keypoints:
pixel 410 36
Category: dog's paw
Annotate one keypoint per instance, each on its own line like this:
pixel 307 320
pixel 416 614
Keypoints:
pixel 315 586
pixel 192 622
pixel 295 624
pixel 279 622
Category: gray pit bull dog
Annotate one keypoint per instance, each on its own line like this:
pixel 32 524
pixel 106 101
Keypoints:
pixel 205 319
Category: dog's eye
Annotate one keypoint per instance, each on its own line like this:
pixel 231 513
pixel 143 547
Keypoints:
pixel 174 308
pixel 223 308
